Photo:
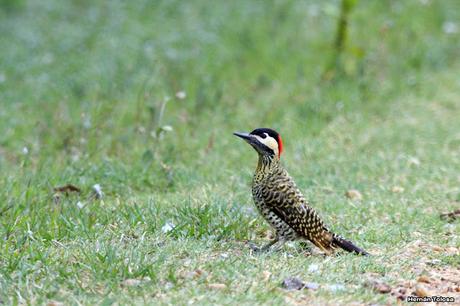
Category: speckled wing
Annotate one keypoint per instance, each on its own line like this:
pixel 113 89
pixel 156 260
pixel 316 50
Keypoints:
pixel 287 202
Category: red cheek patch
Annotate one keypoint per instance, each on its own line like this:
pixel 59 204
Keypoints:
pixel 280 145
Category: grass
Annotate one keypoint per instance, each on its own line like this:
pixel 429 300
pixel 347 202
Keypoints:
pixel 88 95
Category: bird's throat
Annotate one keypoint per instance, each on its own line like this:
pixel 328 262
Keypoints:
pixel 266 164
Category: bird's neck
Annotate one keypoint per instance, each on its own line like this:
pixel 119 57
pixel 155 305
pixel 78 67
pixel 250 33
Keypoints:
pixel 267 163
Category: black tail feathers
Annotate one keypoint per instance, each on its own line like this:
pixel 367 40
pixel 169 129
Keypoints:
pixel 348 246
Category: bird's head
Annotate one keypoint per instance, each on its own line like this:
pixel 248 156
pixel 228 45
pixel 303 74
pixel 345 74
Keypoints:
pixel 265 141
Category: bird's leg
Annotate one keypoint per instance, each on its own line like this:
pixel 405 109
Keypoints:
pixel 278 244
pixel 273 245
pixel 269 245
pixel 263 248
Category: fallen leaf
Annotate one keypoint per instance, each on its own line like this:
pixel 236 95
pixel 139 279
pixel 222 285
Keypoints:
pixel 353 194
pixel 397 189
pixel 67 189
pixel 421 291
pixel 297 284
pixel 382 288
pixel 378 286
pixel 409 283
pixel 193 274
pixel 199 272
pixel 293 283
pixel 424 279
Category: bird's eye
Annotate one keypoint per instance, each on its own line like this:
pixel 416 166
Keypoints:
pixel 264 135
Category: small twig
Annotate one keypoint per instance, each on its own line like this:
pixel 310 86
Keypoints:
pixel 451 216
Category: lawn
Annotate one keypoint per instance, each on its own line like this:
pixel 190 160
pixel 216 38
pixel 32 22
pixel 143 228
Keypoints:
pixel 134 104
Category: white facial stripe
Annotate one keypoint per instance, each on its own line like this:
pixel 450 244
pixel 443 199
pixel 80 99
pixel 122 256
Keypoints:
pixel 269 142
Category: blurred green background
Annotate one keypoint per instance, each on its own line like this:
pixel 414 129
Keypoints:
pixel 84 81
pixel 142 98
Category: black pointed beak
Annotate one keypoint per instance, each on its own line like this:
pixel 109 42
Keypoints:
pixel 245 136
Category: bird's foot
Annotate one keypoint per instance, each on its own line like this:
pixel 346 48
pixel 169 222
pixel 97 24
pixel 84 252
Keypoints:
pixel 255 248
pixel 271 246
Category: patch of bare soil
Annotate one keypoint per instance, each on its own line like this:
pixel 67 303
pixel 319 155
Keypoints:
pixel 431 278
pixel 440 281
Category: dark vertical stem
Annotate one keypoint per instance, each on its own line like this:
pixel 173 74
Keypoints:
pixel 342 25
pixel 340 38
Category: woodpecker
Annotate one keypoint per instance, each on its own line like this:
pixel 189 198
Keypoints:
pixel 282 204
